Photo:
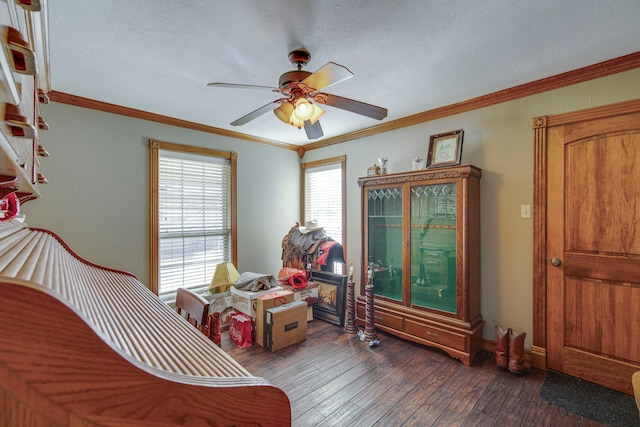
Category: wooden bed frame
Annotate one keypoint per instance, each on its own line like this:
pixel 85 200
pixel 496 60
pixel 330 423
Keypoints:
pixel 83 345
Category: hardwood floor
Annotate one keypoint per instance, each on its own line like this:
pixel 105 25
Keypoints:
pixel 333 379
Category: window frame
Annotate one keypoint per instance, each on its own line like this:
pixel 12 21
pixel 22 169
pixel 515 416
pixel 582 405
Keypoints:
pixel 342 161
pixel 154 179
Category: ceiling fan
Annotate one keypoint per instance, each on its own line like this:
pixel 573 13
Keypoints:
pixel 300 88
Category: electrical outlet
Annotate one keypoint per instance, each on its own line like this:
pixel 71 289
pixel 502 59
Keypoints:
pixel 525 211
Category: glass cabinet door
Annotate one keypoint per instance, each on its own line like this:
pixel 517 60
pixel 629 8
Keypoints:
pixel 385 240
pixel 433 246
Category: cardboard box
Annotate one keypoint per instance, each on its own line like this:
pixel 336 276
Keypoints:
pixel 308 294
pixel 245 301
pixel 285 325
pixel 270 300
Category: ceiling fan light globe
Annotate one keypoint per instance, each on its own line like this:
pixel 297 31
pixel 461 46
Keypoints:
pixel 303 110
pixel 317 112
pixel 284 112
pixel 294 121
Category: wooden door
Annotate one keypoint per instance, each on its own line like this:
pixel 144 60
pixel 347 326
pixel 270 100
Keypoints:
pixel 593 248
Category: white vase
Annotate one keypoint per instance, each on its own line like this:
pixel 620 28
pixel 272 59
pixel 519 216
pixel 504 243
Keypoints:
pixel 382 162
pixel 418 164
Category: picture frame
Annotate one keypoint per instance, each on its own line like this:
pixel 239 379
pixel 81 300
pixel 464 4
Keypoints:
pixel 332 295
pixel 445 149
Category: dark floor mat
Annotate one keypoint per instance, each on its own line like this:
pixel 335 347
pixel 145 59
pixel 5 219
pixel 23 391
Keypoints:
pixel 590 400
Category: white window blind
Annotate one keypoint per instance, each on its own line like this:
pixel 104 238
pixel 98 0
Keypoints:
pixel 323 192
pixel 194 215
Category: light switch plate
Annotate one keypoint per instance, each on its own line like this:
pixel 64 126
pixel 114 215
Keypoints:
pixel 525 211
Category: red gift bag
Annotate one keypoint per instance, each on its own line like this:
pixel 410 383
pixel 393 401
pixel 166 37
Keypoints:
pixel 240 329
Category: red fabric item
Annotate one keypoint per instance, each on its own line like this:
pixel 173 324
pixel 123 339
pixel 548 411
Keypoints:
pixel 325 247
pixel 10 206
pixel 294 277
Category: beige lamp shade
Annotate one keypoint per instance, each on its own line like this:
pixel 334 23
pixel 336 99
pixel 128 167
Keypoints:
pixel 284 111
pixel 305 110
pixel 224 277
pixel 288 114
pixel 317 112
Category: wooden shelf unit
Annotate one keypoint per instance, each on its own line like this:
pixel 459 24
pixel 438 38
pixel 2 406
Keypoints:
pixel 24 84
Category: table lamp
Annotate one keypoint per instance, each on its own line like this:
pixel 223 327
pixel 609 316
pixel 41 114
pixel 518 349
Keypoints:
pixel 223 278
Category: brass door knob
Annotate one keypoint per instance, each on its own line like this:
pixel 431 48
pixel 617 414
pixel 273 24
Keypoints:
pixel 556 262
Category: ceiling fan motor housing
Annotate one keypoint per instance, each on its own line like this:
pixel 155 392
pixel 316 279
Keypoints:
pixel 299 57
pixel 289 80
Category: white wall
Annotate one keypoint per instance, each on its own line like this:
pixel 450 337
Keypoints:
pixel 499 140
pixel 97 198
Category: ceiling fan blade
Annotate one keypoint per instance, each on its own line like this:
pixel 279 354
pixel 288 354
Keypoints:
pixel 255 114
pixel 352 105
pixel 239 86
pixel 329 74
pixel 314 131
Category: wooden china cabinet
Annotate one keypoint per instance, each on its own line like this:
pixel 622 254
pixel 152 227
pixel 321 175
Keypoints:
pixel 421 238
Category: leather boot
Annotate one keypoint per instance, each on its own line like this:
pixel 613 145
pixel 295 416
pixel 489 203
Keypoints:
pixel 502 347
pixel 517 364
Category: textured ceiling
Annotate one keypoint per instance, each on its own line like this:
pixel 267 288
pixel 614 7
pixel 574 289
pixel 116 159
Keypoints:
pixel 408 56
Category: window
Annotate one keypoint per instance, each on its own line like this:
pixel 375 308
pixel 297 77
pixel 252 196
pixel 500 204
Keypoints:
pixel 323 186
pixel 192 216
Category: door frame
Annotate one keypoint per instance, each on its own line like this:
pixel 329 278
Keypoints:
pixel 541 126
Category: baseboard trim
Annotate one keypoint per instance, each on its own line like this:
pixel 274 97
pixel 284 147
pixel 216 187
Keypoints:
pixel 539 357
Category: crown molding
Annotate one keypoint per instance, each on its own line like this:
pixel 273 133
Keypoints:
pixel 92 104
pixel 601 69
